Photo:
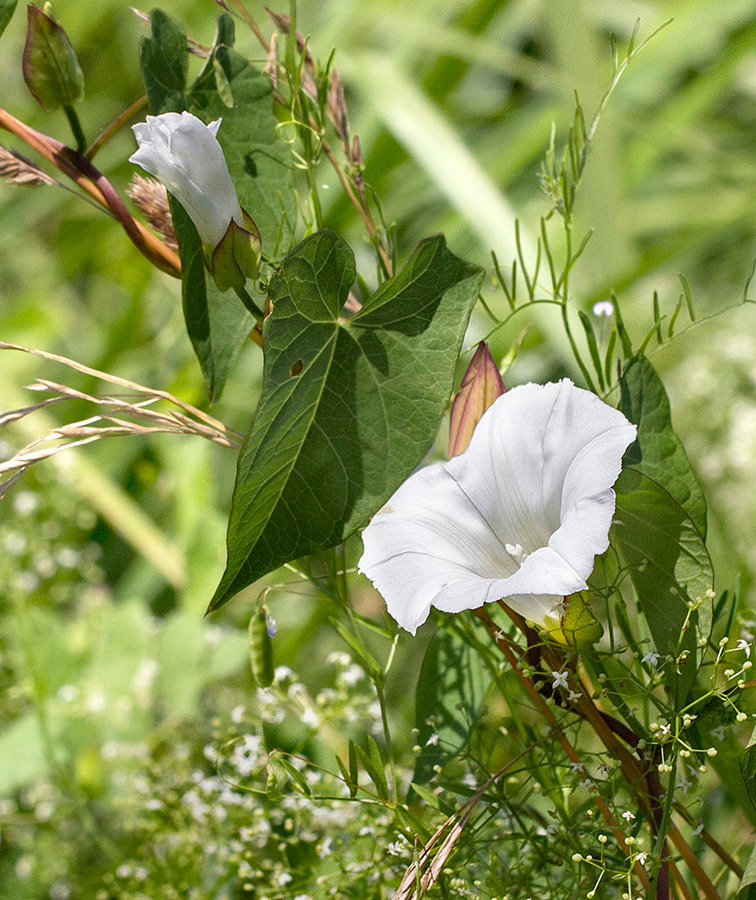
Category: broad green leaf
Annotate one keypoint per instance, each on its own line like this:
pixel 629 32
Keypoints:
pixel 349 407
pixel 669 567
pixel 658 452
pixel 217 323
pixel 165 64
pixel 7 8
pixel 448 701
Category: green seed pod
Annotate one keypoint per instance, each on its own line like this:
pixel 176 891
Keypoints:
pixel 260 647
pixel 50 66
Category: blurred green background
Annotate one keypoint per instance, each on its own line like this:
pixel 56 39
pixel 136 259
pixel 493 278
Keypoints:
pixel 108 558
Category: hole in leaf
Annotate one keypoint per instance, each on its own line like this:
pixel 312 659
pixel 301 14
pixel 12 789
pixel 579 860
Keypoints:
pixel 296 368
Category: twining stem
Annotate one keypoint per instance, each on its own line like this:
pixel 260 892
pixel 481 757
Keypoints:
pixel 107 133
pixel 635 772
pixel 250 305
pixel 81 171
pixel 569 750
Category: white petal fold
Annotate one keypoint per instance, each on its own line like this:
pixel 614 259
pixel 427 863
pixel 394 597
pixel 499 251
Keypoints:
pixel 520 515
pixel 184 154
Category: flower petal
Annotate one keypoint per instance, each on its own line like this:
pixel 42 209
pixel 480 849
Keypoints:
pixel 520 515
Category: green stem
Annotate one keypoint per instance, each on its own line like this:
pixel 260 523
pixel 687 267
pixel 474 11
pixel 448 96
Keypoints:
pixel 249 303
pixel 575 351
pixel 378 682
pixel 78 133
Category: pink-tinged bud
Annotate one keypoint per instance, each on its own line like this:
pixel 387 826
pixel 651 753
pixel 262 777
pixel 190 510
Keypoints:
pixel 481 385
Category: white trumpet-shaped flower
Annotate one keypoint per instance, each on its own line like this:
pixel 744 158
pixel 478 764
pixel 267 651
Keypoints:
pixel 184 154
pixel 519 516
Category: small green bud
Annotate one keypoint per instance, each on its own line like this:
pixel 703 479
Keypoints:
pixel 50 66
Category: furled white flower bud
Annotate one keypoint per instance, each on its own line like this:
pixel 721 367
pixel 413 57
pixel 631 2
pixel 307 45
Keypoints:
pixel 184 154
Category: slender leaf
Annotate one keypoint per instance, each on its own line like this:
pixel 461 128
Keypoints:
pixel 349 407
pixel 448 701
pixel 217 323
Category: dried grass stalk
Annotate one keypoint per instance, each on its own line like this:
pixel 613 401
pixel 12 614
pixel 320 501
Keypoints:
pixel 121 415
pixel 17 169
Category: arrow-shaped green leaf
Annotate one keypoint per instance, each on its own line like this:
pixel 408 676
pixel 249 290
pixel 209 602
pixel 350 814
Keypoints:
pixel 349 407
pixel 658 452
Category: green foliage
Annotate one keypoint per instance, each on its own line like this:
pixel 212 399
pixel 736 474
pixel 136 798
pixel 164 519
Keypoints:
pixel 165 63
pixel 670 570
pixel 448 700
pixel 51 69
pixel 217 322
pixel 747 890
pixel 349 406
pixel 658 452
pixel 7 8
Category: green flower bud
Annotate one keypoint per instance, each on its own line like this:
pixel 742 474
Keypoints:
pixel 50 66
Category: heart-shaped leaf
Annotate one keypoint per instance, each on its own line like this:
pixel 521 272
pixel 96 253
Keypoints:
pixel 658 451
pixel 349 407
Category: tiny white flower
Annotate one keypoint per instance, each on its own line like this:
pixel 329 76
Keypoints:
pixel 433 740
pixel 603 308
pixel 745 647
pixel 628 816
pixel 574 696
pixel 520 515
pixel 560 680
pixel 698 829
pixel 184 154
pixel 653 658
pixel 718 732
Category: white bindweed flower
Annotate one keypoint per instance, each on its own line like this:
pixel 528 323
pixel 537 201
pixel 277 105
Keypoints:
pixel 520 515
pixel 184 154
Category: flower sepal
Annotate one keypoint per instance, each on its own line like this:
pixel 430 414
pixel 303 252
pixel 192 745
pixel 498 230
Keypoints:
pixel 481 385
pixel 575 626
pixel 237 255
